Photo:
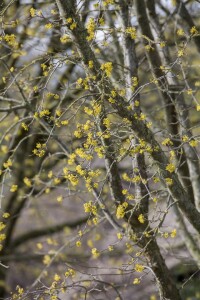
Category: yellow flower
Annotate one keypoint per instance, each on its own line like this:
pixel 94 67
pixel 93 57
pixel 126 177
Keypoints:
pixel 2 226
pixel 121 210
pixel 141 218
pixel 48 26
pixel 91 29
pixel 131 31
pixel 139 268
pixel 180 53
pixel 189 91
pixel 46 259
pixel 7 164
pixel 24 126
pixel 20 290
pixel 2 237
pixel 90 208
pixel 101 21
pixel 119 236
pixel 59 199
pixel 165 235
pixel 90 64
pixel 193 143
pixel 180 32
pixel 170 168
pixel 13 188
pixel 57 277
pixel 73 26
pixel 136 281
pixel 193 30
pixel 69 20
pixel 107 67
pixel 173 233
pixel 168 181
pixel 185 138
pixel 27 182
pixel 95 252
pixel 11 40
pixel 6 215
pixel 78 244
pixel 32 12
pixel 107 2
pixel 70 272
pixel 39 246
pixel 167 142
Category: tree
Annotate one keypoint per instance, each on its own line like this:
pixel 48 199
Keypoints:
pixel 100 130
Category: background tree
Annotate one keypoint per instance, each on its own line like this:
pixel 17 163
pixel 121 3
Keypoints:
pixel 100 176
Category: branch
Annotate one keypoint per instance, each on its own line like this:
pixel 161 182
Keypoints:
pixel 44 231
pixel 189 159
pixel 138 126
pixel 188 19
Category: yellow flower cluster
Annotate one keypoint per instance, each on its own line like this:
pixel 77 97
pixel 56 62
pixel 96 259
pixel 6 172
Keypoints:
pixel 107 68
pixel 71 177
pixel 107 123
pixel 42 113
pixel 95 252
pixel 24 126
pixel 180 32
pixel 57 277
pixel 139 268
pixel 70 272
pixel 72 23
pixel 27 182
pixel 85 82
pixel 135 179
pixel 121 210
pixel 6 215
pixel 13 188
pixel 180 53
pixel 107 2
pixel 7 164
pixel 65 39
pixel 90 208
pixel 90 64
pixel 132 32
pixel 91 141
pixel 55 96
pixel 169 181
pixel 82 153
pixel 173 233
pixel 193 143
pixel 80 171
pixel 32 12
pixel 2 226
pixel 119 236
pixel 39 150
pixel 95 110
pixel 167 142
pixel 170 168
pixel 100 151
pixel 91 29
pixel 141 219
pixel 48 26
pixel 78 244
pixel 2 235
pixel 193 30
pixel 11 40
pixel 136 281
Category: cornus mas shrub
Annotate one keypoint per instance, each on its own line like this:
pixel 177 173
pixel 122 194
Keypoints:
pixel 99 149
